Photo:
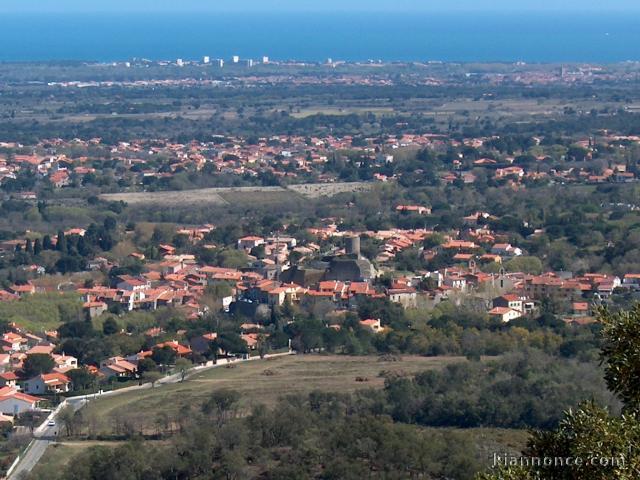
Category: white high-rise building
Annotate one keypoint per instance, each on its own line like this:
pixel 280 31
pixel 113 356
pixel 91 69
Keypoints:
pixel 235 59
pixel 180 62
pixel 265 59
pixel 206 60
pixel 220 63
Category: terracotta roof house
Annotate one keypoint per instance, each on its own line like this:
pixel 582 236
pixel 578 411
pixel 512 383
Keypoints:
pixel 372 324
pixel 14 403
pixel 181 350
pixel 47 383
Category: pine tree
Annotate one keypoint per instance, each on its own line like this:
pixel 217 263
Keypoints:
pixel 37 246
pixel 61 244
pixel 47 244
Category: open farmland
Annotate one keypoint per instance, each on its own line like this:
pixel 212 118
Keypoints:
pixel 60 455
pixel 317 190
pixel 235 195
pixel 209 196
pixel 259 382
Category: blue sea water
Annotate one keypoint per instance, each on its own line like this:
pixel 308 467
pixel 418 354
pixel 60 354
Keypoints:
pixel 315 37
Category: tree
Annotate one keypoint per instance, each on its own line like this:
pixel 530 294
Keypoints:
pixel 590 432
pixel 621 354
pixel 110 223
pixel 5 326
pixel 146 365
pixel 152 377
pixel 81 378
pixel 525 264
pixel 47 244
pixel 221 403
pixel 67 418
pixel 231 342
pixel 37 246
pixel 164 355
pixel 433 240
pixel 232 259
pixel 263 346
pixel 218 290
pixel 61 242
pixel 182 367
pixel 110 326
pixel 37 364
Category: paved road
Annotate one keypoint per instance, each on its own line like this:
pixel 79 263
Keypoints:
pixel 46 433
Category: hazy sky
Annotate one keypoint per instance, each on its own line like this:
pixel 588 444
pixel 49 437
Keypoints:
pixel 314 5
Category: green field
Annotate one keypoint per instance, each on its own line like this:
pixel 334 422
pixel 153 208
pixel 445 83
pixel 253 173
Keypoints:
pixel 59 455
pixel 308 112
pixel 258 382
pixel 238 195
pixel 42 311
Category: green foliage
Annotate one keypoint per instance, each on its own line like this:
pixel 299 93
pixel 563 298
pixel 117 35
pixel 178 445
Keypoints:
pixel 232 259
pixel 152 377
pixel 81 378
pixel 590 433
pixel 321 436
pixel 103 463
pixel 230 342
pixel 37 363
pixel 146 365
pixel 164 355
pixel 42 311
pixel 110 326
pixel 522 390
pixel 525 264
pixel 621 354
pixel 218 290
pixel 607 448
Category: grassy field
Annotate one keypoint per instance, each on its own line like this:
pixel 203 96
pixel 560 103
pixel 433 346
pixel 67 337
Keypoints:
pixel 209 196
pixel 58 456
pixel 487 441
pixel 264 382
pixel 308 112
pixel 259 382
pixel 42 311
pixel 235 196
pixel 317 190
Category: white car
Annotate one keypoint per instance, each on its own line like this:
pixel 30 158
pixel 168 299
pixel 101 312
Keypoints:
pixel 51 423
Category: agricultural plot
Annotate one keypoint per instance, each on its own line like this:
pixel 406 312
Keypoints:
pixel 234 196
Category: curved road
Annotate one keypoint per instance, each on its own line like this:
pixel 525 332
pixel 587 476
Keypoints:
pixel 44 435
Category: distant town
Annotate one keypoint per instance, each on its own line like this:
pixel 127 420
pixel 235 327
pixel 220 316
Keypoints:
pixel 181 241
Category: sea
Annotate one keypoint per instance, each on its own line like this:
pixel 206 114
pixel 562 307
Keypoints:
pixel 461 37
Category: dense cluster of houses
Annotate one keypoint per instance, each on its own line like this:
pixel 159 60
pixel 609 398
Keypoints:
pixel 340 275
pixel 21 392
pixel 17 391
pixel 340 279
pixel 139 163
pixel 284 269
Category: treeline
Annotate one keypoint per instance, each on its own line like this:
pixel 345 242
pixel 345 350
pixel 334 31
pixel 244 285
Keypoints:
pixel 73 250
pixel 445 330
pixel 300 438
pixel 523 390
pixel 324 435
